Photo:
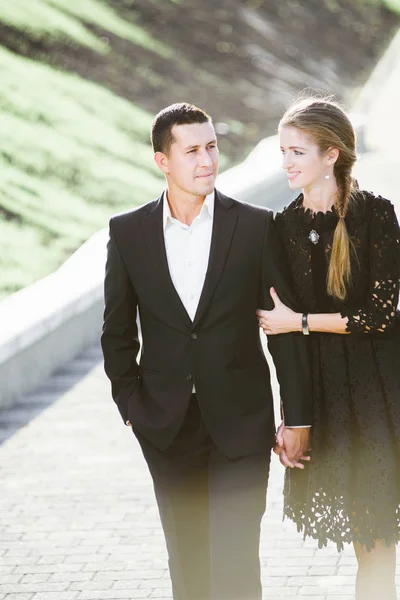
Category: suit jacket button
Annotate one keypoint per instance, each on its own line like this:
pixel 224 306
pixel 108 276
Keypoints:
pixel 193 336
pixel 189 376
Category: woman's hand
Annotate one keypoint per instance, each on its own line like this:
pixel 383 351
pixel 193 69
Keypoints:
pixel 279 320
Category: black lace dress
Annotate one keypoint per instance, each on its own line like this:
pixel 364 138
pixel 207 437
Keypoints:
pixel 350 491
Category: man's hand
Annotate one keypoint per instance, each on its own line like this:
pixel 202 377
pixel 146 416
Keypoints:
pixel 292 445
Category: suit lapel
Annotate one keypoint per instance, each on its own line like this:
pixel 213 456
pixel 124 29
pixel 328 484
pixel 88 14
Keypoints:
pixel 152 225
pixel 224 223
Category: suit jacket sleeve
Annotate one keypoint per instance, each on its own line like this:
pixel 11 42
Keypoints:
pixel 290 351
pixel 119 339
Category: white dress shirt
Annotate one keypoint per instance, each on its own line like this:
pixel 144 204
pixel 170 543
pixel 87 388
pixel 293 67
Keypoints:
pixel 188 251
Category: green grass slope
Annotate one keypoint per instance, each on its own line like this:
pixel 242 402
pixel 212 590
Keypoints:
pixel 72 153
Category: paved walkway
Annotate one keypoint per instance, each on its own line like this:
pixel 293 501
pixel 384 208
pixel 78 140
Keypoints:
pixel 78 519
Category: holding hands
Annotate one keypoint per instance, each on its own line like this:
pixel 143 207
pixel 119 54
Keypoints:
pixel 292 444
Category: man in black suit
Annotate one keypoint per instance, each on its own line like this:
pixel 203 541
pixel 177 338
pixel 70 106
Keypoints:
pixel 196 265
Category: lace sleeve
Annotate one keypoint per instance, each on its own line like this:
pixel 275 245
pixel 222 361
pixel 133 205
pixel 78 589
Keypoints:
pixel 379 312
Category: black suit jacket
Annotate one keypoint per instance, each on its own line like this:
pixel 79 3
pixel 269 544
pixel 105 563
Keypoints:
pixel 220 350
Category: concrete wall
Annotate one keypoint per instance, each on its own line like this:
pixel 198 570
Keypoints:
pixel 49 322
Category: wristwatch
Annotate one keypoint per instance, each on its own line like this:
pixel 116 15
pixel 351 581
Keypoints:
pixel 304 324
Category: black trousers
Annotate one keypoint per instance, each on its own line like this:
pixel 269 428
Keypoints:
pixel 211 509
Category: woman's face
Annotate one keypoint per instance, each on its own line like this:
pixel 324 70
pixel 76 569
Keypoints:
pixel 303 162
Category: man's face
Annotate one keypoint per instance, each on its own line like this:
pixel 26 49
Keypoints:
pixel 191 166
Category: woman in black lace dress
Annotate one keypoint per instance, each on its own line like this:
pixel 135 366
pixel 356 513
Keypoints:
pixel 343 250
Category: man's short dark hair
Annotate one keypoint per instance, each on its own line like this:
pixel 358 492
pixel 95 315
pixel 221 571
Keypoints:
pixel 180 113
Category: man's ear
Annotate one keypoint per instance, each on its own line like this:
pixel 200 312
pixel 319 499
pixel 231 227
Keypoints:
pixel 161 161
pixel 332 155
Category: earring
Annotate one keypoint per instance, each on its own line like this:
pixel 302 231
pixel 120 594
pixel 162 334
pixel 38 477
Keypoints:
pixel 327 176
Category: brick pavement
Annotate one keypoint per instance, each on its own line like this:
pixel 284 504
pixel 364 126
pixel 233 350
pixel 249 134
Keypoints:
pixel 78 519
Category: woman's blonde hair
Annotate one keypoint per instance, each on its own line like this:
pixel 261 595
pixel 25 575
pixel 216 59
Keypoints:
pixel 330 127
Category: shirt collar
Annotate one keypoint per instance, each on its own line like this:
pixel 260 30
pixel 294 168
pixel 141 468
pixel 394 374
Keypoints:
pixel 207 208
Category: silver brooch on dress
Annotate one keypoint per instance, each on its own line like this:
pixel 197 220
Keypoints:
pixel 313 236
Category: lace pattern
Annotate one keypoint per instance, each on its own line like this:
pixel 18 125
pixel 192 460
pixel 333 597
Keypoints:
pixel 381 316
pixel 380 313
